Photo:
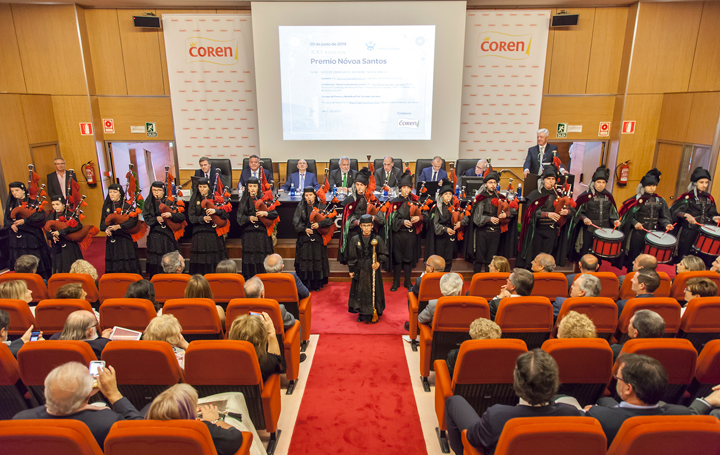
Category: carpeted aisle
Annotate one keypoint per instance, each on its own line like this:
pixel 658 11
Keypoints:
pixel 358 399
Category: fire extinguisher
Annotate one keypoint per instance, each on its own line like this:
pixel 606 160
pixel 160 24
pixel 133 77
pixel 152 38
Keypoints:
pixel 622 173
pixel 88 170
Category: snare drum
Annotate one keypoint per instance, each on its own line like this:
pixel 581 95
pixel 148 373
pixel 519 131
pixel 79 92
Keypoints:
pixel 661 245
pixel 708 240
pixel 607 243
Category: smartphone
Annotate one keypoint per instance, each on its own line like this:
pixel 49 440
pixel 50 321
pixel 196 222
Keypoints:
pixel 95 367
pixel 256 314
pixel 34 335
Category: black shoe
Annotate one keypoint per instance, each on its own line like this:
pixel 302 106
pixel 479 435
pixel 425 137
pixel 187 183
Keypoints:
pixel 359 317
pixel 303 357
pixel 394 287
pixel 407 325
pixel 408 286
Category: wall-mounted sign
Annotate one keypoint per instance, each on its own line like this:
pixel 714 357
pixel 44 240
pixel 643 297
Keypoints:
pixel 150 129
pixel 86 128
pixel 109 126
pixel 561 130
pixel 628 127
pixel 604 130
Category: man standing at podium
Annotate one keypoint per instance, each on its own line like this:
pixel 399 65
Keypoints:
pixel 538 157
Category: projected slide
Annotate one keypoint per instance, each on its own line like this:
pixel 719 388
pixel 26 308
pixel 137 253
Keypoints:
pixel 357 82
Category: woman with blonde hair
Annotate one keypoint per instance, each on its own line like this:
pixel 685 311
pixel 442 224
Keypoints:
pixel 690 263
pixel 576 325
pixel 180 402
pixel 199 288
pixel 168 329
pixel 260 332
pixel 83 266
pixel 15 289
pixel 71 291
pixel 499 265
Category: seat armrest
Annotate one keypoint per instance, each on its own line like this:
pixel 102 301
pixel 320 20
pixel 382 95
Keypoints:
pixel 271 402
pixel 469 448
pixel 413 306
pixel 305 313
pixel 246 444
pixel 304 303
pixel 426 338
pixel 443 391
pixel 291 347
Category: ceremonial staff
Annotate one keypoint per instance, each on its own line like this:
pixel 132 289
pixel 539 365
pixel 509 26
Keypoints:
pixel 374 242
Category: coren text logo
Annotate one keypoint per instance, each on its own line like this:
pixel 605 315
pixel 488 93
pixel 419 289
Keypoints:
pixel 405 123
pixel 496 44
pixel 198 49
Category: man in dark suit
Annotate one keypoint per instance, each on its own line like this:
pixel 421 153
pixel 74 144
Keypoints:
pixel 14 345
pixel 253 171
pixel 301 179
pixel 433 263
pixel 206 171
pixel 67 391
pixel 57 181
pixel 81 325
pixel 435 173
pixel 644 284
pixel 643 324
pixel 344 177
pixel 389 175
pixel 520 283
pixel 255 289
pixel 478 170
pixel 536 380
pixel 584 286
pixel 537 158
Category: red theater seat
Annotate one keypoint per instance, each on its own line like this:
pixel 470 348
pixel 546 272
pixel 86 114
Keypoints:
pixel 58 280
pixel 169 286
pixel 133 314
pixel 114 285
pixel 53 436
pixel 226 286
pixel 667 435
pixel 33 281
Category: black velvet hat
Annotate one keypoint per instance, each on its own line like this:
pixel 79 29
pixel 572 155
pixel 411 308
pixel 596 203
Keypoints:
pixel 651 178
pixel 700 173
pixel 406 179
pixel 447 186
pixel 601 173
pixel 363 176
pixel 492 175
pixel 366 219
pixel 549 171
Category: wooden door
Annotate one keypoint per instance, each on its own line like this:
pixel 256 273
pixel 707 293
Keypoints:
pixel 667 161
pixel 43 157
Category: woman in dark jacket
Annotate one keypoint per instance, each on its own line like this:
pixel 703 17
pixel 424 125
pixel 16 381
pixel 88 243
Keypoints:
pixel 208 246
pixel 161 239
pixel 121 251
pixel 64 250
pixel 26 235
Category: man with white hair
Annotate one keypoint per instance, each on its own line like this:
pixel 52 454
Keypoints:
pixel 274 264
pixel 255 289
pixel 68 389
pixel 344 177
pixel 583 286
pixel 81 325
pixel 538 157
pixel 450 284
pixel 479 169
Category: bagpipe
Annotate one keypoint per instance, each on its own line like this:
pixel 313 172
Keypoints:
pixel 373 204
pixel 563 201
pixel 129 209
pixel 219 199
pixel 36 197
pixel 265 188
pixel 457 213
pixel 174 204
pixel 261 206
pixel 418 206
pixel 73 215
pixel 317 216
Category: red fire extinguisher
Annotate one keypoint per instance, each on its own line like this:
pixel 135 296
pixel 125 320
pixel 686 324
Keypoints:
pixel 88 170
pixel 622 173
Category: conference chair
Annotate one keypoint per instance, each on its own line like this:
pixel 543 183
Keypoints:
pixel 21 318
pixel 133 314
pixel 450 327
pixel 289 340
pixel 608 281
pixel 144 369
pixel 198 317
pixel 144 437
pixel 282 287
pixel 487 285
pixel 55 436
pixel 666 307
pixel 292 168
pixel 527 318
pixel 547 436
pixel 226 286
pixel 33 281
pixel 677 291
pixel 603 312
pixel 707 371
pixel 397 163
pixel 11 399
pixel 215 366
pixel 551 285
pixel 461 166
pixel 169 286
pixel 667 435
pixel 225 166
pixel 114 285
pixel 335 164
pixel 626 291
pixel 483 376
pixel 585 366
pixel 678 356
pixel 429 290
pixel 701 321
pixel 51 314
pixel 37 359
pixel 88 283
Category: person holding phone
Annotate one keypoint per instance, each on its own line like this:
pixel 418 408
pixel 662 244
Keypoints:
pixel 30 334
pixel 260 331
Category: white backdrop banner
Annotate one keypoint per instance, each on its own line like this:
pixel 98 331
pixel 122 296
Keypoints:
pixel 502 84
pixel 212 86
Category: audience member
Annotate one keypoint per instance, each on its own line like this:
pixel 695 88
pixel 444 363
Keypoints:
pixel 16 290
pixel 690 263
pixel 450 284
pixel 343 178
pixel 27 263
pixel 543 263
pixel 173 262
pixel 300 179
pixel 698 287
pixel 83 266
pixel 71 291
pixel 715 267
pixel 255 289
pixel 199 288
pixel 584 286
pixel 536 380
pixel 499 264
pixel 81 325
pixel 260 332
pixel 68 389
pixel 434 173
pixel 643 324
pixel 14 345
pixel 588 264
pixel 433 263
pixel 143 289
pixel 644 284
pixel 576 325
pixel 480 329
pixel 226 266
pixel 180 402
pixel 168 329
pixel 643 261
pixel 519 284
pixel 274 264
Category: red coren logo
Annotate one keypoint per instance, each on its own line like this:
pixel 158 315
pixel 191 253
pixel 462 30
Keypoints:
pixel 198 49
pixel 502 45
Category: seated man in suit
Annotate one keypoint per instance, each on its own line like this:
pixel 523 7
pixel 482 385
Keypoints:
pixel 68 389
pixel 344 177
pixel 433 263
pixel 173 262
pixel 450 284
pixel 81 325
pixel 56 181
pixel 584 286
pixel 301 178
pixel 644 283
pixel 643 324
pixel 588 264
pixel 435 173
pixel 389 175
pixel 643 261
pixel 543 263
pixel 207 171
pixel 14 345
pixel 520 283
pixel 253 171
pixel 255 289
pixel 536 380
pixel 479 169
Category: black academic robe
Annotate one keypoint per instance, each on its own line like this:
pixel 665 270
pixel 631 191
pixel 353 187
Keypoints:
pixel 701 206
pixel 599 208
pixel 121 251
pixel 311 256
pixel 161 239
pixel 29 239
pixel 438 241
pixel 403 242
pixel 354 206
pixel 360 259
pixel 256 243
pixel 64 252
pixel 541 234
pixel 652 212
pixel 207 248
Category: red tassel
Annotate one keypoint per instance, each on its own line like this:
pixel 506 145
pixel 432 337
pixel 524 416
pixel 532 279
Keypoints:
pixel 72 223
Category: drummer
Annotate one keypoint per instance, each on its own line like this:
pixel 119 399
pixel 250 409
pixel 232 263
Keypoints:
pixel 595 209
pixel 693 210
pixel 644 212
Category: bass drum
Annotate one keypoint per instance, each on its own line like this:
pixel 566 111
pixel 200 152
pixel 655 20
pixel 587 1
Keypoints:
pixel 661 245
pixel 607 243
pixel 708 241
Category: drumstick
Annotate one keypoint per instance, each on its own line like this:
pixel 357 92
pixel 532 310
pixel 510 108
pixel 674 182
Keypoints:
pixel 652 233
pixel 596 227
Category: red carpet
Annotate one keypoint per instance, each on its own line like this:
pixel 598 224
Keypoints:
pixel 330 312
pixel 358 399
pixel 95 254
pixel 669 269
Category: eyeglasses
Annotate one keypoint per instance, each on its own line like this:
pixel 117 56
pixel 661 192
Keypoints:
pixel 618 378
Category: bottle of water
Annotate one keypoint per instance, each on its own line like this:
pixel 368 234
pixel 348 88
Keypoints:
pixel 334 191
pixel 292 190
pixel 457 191
pixel 519 189
pixel 385 191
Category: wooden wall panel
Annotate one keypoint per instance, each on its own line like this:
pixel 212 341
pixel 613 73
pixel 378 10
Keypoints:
pixel 39 118
pixel 606 52
pixel 664 47
pixel 675 115
pixel 106 51
pixel 128 112
pixel 141 54
pixel 706 65
pixel 11 72
pixel 571 54
pixel 628 43
pixel 587 111
pixel 50 49
pixel 85 49
pixel 703 118
pixel 14 149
